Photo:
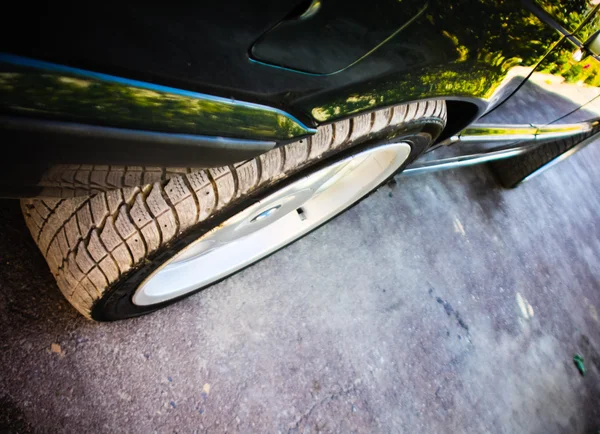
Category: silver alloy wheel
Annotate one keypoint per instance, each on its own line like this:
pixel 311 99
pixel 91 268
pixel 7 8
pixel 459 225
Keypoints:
pixel 272 223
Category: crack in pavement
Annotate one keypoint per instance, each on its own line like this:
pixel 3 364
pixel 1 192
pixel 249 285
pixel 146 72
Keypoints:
pixel 307 414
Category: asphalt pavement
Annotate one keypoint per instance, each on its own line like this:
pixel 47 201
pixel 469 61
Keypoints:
pixel 442 303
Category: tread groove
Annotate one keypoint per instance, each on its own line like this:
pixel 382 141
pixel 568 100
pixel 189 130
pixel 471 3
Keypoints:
pixel 214 187
pixel 109 232
pixel 47 219
pixel 45 251
pixel 236 181
pixel 171 206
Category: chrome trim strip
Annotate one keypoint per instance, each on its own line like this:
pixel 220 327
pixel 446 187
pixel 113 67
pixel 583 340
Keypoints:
pixel 502 132
pixel 160 107
pixel 418 168
pixel 565 130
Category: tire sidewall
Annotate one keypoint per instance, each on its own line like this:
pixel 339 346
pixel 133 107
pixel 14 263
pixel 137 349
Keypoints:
pixel 116 302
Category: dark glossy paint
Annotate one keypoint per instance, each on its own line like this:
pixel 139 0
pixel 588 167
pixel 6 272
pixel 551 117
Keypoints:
pixel 563 83
pixel 469 50
pixel 568 14
pixel 46 90
pixel 335 35
pixel 461 49
pixel 591 110
pixel 154 67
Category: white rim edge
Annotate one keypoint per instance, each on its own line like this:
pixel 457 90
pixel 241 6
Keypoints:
pixel 271 223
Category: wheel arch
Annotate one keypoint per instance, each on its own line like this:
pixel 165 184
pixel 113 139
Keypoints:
pixel 462 112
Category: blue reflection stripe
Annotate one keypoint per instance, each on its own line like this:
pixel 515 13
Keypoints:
pixel 39 64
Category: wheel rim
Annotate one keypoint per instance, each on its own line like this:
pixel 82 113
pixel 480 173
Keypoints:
pixel 271 223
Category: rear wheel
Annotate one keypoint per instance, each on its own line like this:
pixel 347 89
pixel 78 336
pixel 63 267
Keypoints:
pixel 130 251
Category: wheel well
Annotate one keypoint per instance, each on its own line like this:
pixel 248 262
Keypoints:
pixel 460 115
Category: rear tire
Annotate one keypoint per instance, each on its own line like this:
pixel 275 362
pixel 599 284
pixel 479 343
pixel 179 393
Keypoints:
pixel 513 171
pixel 102 247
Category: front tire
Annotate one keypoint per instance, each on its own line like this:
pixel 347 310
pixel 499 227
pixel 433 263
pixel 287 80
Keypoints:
pixel 103 249
pixel 512 172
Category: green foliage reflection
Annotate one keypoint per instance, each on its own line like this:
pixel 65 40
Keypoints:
pixel 95 101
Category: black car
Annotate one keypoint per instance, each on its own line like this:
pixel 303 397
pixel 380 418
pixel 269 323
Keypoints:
pixel 160 148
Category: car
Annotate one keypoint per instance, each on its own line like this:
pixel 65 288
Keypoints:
pixel 157 149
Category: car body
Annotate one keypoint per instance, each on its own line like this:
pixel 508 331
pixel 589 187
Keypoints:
pixel 210 84
pixel 158 149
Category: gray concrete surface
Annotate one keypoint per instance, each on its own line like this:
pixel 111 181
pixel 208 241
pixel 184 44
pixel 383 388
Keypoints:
pixel 440 304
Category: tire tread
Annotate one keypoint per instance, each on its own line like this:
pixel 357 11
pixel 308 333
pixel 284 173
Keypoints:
pixel 127 213
pixel 512 171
